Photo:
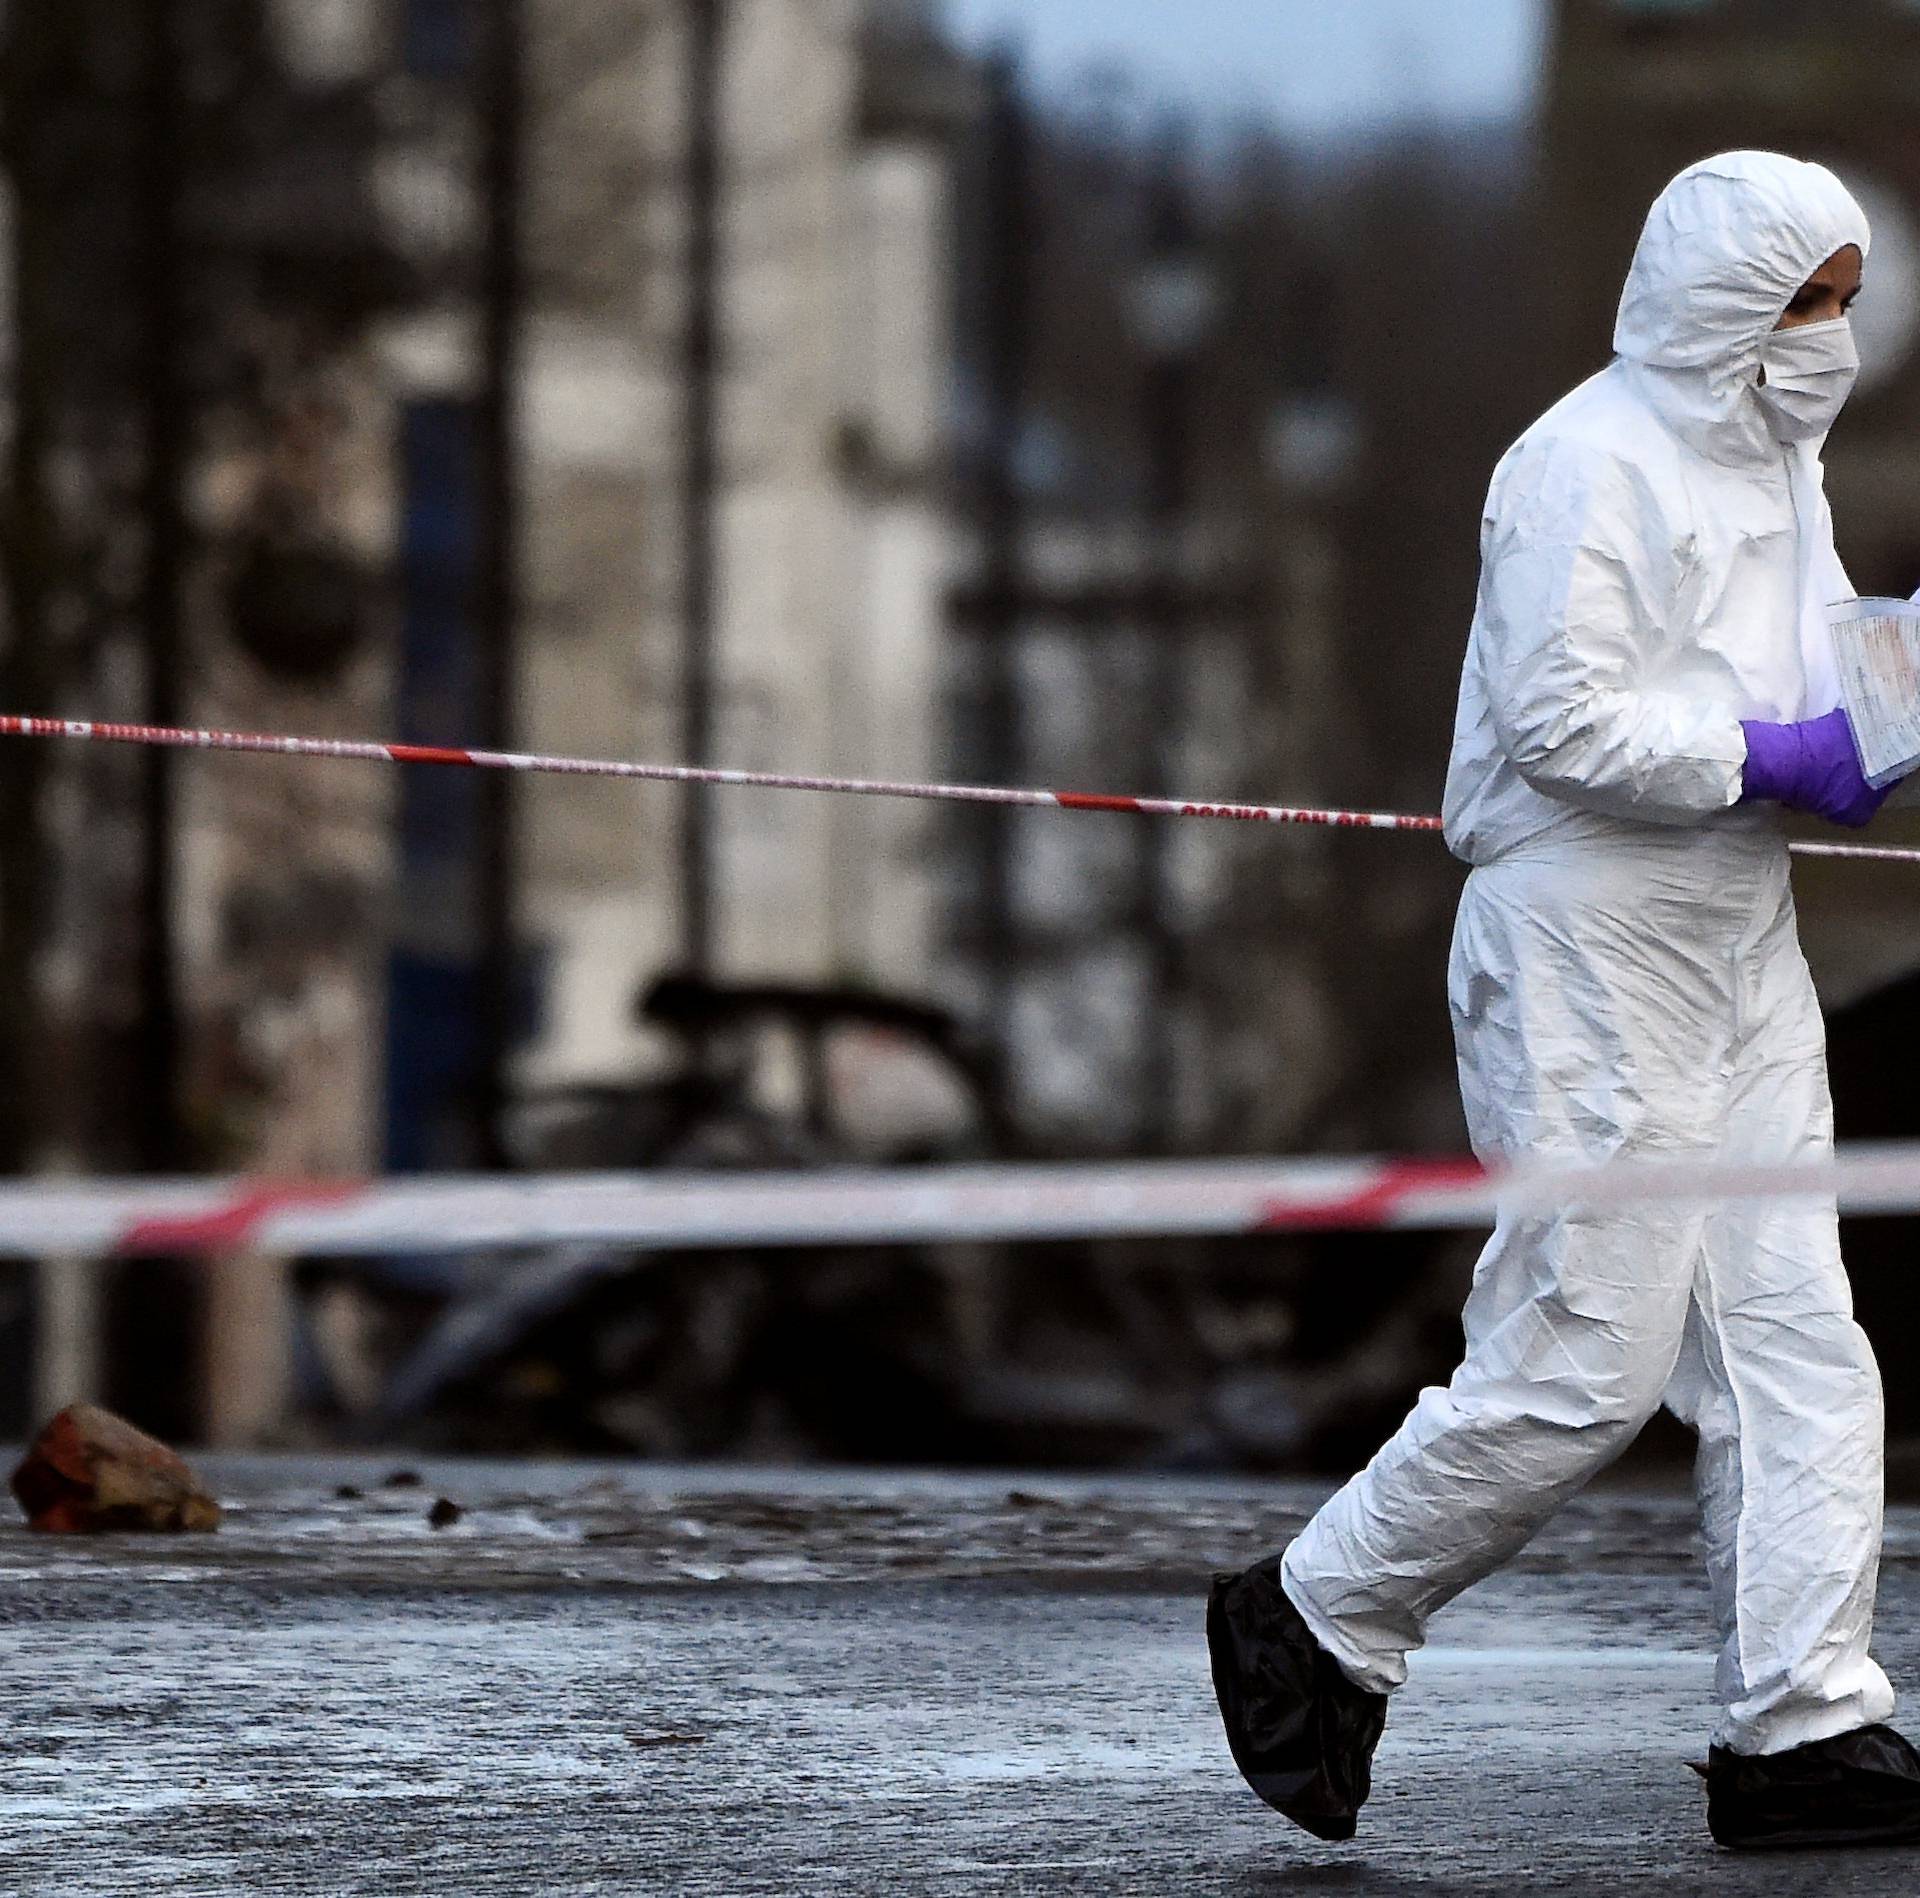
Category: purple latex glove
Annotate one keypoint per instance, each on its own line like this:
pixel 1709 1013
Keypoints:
pixel 1812 767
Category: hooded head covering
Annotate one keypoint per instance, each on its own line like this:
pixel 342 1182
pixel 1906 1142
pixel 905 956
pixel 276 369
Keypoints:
pixel 1725 247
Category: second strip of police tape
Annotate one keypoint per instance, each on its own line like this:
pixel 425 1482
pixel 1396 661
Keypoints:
pixel 897 1206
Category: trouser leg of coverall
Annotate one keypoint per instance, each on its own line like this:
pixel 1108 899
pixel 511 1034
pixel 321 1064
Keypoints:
pixel 1576 1325
pixel 1566 1359
pixel 1781 1386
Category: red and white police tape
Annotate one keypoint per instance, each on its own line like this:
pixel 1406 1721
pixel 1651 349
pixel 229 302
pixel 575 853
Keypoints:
pixel 368 751
pixel 1121 1200
pixel 897 1206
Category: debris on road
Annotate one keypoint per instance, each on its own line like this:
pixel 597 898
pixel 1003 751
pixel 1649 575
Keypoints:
pixel 666 1739
pixel 444 1513
pixel 89 1471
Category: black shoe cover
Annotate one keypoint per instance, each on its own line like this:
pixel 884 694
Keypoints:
pixel 1860 1788
pixel 1302 1734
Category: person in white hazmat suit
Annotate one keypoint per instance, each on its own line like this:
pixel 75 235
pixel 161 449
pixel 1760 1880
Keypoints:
pixel 1648 680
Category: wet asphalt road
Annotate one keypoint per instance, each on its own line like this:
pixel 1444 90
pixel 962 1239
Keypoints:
pixel 718 1683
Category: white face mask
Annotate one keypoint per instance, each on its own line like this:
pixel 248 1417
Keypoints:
pixel 1810 372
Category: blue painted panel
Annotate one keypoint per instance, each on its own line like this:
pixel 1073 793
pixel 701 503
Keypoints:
pixel 432 1013
pixel 440 38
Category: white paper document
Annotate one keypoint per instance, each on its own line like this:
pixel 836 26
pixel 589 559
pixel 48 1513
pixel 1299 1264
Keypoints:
pixel 1877 646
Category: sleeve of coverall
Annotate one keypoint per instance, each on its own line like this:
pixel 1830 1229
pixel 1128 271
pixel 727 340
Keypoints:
pixel 1578 595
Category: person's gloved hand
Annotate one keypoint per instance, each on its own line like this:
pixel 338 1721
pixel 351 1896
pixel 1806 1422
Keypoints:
pixel 1812 767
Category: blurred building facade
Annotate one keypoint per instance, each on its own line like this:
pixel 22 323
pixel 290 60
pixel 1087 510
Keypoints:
pixel 198 495
pixel 260 422
pixel 830 125
pixel 1227 538
pixel 833 118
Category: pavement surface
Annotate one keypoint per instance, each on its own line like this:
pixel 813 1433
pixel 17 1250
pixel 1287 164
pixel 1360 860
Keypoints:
pixel 719 1682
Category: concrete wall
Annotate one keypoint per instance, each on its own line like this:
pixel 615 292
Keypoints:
pixel 834 292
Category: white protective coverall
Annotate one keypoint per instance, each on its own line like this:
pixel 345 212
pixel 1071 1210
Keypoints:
pixel 1626 980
